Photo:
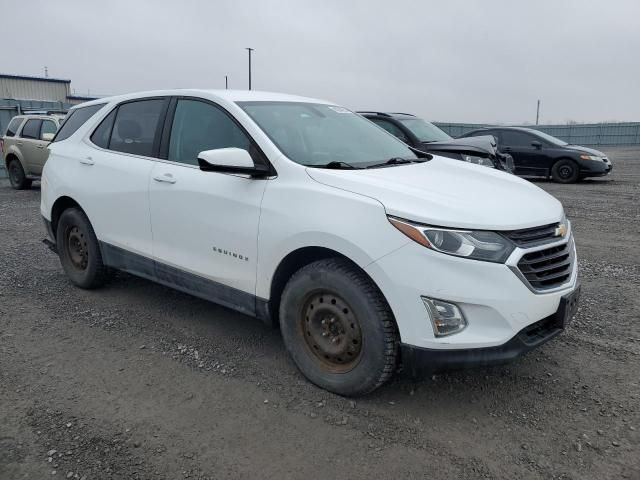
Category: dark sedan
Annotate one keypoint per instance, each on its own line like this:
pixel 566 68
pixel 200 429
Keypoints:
pixel 426 137
pixel 536 153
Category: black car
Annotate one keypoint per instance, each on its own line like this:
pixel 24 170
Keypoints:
pixel 539 154
pixel 426 137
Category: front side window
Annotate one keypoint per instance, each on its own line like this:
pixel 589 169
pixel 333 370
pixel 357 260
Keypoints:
pixel 315 134
pixel 14 124
pixel 425 131
pixel 199 126
pixel 514 138
pixel 391 128
pixel 48 127
pixel 75 119
pixel 136 126
pixel 31 129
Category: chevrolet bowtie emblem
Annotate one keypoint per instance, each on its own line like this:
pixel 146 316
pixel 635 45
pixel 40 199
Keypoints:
pixel 561 230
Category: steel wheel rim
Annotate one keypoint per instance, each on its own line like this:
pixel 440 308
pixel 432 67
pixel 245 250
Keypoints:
pixel 565 171
pixel 77 248
pixel 14 173
pixel 331 331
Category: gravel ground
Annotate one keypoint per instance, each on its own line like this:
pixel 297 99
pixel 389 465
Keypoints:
pixel 138 381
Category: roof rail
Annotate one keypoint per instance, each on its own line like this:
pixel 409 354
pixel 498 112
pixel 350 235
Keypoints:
pixel 44 112
pixel 376 113
pixel 401 113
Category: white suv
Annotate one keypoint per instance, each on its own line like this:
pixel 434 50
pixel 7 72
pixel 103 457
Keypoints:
pixel 368 253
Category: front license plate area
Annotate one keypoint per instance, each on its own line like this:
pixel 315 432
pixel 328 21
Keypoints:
pixel 569 306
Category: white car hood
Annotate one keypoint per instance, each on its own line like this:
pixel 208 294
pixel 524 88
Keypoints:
pixel 450 193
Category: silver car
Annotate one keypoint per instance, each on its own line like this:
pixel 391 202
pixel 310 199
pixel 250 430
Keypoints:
pixel 24 147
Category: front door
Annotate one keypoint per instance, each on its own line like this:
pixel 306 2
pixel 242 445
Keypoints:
pixel 205 224
pixel 528 158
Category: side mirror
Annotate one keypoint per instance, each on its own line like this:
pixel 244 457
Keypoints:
pixel 47 137
pixel 230 160
pixel 536 144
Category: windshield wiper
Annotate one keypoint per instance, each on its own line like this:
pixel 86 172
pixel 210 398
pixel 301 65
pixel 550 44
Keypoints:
pixel 336 165
pixel 396 161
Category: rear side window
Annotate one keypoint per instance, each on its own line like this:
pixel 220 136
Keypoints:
pixel 14 124
pixel 136 127
pixel 75 119
pixel 102 134
pixel 31 129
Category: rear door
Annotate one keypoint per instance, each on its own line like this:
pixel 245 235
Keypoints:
pixel 29 145
pixel 205 224
pixel 528 159
pixel 116 181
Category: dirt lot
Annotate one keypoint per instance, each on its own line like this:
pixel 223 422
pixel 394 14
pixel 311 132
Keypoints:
pixel 139 381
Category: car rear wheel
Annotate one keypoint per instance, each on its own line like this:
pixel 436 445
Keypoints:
pixel 565 171
pixel 79 250
pixel 17 177
pixel 338 328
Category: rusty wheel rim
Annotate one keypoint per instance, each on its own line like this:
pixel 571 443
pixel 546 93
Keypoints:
pixel 331 331
pixel 77 248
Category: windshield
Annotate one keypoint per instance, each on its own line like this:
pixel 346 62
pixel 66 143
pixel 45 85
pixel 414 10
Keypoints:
pixel 315 134
pixel 425 131
pixel 550 139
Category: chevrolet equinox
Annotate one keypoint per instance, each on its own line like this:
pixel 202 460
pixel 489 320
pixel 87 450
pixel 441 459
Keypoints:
pixel 368 253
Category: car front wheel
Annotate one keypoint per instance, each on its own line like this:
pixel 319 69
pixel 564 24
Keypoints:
pixel 565 171
pixel 338 328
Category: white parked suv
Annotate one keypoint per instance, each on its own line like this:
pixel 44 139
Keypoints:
pixel 369 254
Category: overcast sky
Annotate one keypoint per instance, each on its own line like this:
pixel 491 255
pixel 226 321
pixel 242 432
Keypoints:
pixel 462 61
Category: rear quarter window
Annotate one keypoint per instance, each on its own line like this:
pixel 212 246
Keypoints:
pixel 75 119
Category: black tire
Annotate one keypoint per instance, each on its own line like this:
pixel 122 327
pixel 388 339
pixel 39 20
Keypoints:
pixel 348 342
pixel 17 177
pixel 565 171
pixel 79 250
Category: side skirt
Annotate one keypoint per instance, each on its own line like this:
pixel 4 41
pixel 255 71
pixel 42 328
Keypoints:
pixel 186 282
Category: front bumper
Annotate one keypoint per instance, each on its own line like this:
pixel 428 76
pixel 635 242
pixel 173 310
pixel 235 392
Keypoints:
pixel 496 302
pixel 418 360
pixel 594 168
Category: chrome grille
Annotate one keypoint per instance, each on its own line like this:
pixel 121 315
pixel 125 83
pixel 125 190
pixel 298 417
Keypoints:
pixel 531 236
pixel 548 268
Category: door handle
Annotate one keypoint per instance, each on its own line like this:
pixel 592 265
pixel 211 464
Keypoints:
pixel 19 144
pixel 506 149
pixel 165 178
pixel 41 146
pixel 87 161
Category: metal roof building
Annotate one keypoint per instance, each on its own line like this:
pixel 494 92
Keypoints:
pixel 21 93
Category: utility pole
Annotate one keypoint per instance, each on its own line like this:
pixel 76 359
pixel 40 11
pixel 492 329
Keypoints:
pixel 46 72
pixel 226 82
pixel 249 50
pixel 538 113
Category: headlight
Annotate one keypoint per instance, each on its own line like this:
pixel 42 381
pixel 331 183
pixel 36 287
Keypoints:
pixel 478 160
pixel 475 244
pixel 591 157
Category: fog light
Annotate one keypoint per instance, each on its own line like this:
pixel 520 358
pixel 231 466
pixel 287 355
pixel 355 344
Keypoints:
pixel 446 317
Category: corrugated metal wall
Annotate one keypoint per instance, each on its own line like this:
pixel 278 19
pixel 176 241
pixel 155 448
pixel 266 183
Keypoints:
pixel 11 108
pixel 592 134
pixel 24 88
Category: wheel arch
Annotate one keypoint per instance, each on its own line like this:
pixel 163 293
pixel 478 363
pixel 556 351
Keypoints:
pixel 12 155
pixel 59 206
pixel 291 263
